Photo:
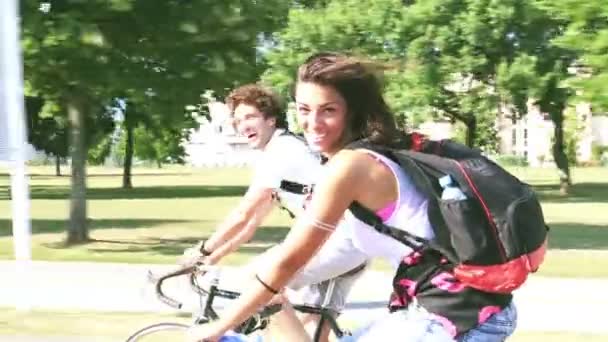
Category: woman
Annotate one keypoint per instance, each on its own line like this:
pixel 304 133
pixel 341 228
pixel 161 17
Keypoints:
pixel 339 100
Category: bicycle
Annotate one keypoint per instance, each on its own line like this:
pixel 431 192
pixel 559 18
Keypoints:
pixel 259 321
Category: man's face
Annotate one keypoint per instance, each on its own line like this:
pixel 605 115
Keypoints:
pixel 252 124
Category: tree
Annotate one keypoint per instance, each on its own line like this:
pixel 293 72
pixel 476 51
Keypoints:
pixel 46 132
pixel 158 146
pixel 180 48
pixel 337 26
pixel 466 61
pixel 84 54
pixel 585 31
pixel 440 61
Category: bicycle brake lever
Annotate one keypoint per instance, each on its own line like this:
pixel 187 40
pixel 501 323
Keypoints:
pixel 151 277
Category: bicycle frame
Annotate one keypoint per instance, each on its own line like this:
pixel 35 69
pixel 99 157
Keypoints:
pixel 256 322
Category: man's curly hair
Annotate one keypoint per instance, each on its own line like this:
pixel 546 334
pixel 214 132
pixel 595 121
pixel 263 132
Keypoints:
pixel 264 99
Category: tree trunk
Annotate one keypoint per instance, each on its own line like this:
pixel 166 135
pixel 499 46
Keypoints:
pixel 471 131
pixel 78 231
pixel 561 160
pixel 126 175
pixel 57 166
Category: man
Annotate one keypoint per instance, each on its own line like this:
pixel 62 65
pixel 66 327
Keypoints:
pixel 284 173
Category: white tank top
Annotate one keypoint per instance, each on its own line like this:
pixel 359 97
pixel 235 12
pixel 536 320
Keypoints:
pixel 410 214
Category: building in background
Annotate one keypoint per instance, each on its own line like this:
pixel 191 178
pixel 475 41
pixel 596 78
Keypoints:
pixel 215 142
pixel 531 136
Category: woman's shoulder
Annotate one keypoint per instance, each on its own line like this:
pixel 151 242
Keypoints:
pixel 354 163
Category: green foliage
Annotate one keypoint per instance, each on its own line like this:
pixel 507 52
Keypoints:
pixel 604 159
pixel 160 147
pixel 572 134
pixel 507 160
pixel 486 138
pixel 599 154
pixel 98 154
pixel 158 55
pixel 571 148
pixel 461 60
pixel 156 146
pixel 339 26
pixel 587 33
pixel 47 128
pixel 155 55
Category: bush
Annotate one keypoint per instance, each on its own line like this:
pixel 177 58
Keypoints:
pixel 604 159
pixel 597 152
pixel 511 160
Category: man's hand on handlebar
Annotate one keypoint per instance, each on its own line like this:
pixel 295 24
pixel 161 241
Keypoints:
pixel 194 255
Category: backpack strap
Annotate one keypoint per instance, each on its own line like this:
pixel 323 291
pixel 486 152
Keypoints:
pixel 277 199
pixel 370 218
pixel 367 216
pixel 298 136
pixel 290 186
pixel 295 187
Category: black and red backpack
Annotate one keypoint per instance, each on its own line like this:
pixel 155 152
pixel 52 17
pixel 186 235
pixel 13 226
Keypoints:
pixel 495 237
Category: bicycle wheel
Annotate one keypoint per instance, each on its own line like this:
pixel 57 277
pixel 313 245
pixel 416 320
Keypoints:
pixel 160 332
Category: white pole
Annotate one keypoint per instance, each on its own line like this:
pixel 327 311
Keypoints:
pixel 11 99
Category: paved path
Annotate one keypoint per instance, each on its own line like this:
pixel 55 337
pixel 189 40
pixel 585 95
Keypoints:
pixel 24 338
pixel 544 304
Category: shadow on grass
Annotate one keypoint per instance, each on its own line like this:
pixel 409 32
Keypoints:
pixel 562 236
pixel 59 226
pixel 65 172
pixel 264 238
pixel 578 236
pixel 181 191
pixel 580 193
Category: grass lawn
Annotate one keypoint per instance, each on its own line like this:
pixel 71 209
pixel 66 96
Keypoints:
pixel 170 209
pixel 117 326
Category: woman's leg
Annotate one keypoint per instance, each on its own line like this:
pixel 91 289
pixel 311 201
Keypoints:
pixel 327 280
pixel 285 326
pixel 337 257
pixel 412 325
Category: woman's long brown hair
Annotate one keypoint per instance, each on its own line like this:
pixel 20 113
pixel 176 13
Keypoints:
pixel 368 115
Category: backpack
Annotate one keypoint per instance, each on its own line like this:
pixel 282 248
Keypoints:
pixel 494 238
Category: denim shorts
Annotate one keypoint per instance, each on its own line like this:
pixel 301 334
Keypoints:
pixel 416 324
pixel 496 329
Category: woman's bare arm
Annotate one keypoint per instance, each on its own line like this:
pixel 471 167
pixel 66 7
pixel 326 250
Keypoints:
pixel 347 177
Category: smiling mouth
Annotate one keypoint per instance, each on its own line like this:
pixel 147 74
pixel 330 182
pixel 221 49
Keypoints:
pixel 316 137
pixel 251 136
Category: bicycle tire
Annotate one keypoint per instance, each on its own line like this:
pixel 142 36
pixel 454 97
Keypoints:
pixel 160 331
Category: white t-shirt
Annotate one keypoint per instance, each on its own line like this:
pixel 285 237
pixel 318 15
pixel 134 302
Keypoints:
pixel 286 157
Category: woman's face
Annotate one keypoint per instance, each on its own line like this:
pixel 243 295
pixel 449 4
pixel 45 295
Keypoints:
pixel 322 115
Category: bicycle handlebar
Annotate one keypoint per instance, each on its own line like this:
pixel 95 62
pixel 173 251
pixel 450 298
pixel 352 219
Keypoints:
pixel 188 269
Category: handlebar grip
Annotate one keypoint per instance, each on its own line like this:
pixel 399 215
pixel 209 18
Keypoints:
pixel 159 283
pixel 171 302
pixel 163 298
